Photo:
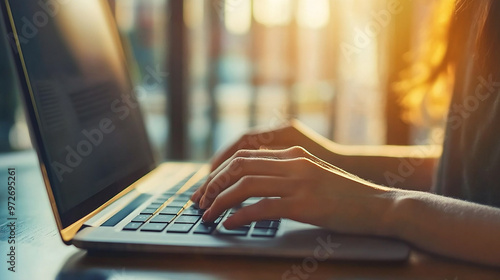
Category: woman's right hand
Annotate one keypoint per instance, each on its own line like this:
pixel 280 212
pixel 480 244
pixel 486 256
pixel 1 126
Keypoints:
pixel 294 184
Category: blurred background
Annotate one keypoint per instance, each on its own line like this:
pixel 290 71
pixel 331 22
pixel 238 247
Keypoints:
pixel 207 70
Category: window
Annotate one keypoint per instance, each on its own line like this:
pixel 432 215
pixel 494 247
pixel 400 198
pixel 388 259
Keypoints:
pixel 245 63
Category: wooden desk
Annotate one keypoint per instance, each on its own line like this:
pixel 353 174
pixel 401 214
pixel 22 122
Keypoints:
pixel 42 255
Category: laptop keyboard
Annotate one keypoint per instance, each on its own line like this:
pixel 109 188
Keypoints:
pixel 179 218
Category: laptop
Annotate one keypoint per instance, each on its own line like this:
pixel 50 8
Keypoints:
pixel 106 191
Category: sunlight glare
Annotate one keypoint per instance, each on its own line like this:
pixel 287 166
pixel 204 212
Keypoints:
pixel 238 16
pixel 193 13
pixel 273 12
pixel 313 14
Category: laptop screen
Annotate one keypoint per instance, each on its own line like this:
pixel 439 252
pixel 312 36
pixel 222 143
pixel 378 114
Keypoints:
pixel 89 130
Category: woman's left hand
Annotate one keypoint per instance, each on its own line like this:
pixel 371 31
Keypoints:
pixel 296 185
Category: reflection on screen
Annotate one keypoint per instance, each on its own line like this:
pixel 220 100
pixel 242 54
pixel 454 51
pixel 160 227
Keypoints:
pixel 90 124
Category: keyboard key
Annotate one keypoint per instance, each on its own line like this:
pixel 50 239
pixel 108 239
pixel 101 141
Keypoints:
pixel 155 205
pixel 169 193
pixel 159 201
pixel 267 224
pixel 182 198
pixel 177 204
pixel 148 211
pixel 185 195
pixel 162 218
pixel 196 206
pixel 179 228
pixel 132 226
pixel 204 229
pixel 154 227
pixel 264 232
pixel 141 218
pixel 122 214
pixel 185 219
pixel 171 210
pixel 215 222
pixel 218 220
pixel 191 211
pixel 241 231
pixel 165 197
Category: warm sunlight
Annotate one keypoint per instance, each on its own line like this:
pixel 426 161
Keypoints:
pixel 70 20
pixel 124 14
pixel 193 13
pixel 273 13
pixel 238 16
pixel 418 86
pixel 313 14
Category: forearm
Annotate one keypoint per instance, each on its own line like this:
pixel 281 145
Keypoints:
pixel 407 167
pixel 446 226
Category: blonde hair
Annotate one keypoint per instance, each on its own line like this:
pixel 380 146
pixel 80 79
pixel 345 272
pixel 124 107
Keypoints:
pixel 425 88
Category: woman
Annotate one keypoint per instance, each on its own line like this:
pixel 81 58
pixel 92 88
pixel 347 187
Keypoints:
pixel 309 179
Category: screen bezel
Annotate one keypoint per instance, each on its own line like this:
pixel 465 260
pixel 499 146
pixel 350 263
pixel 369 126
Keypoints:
pixel 70 221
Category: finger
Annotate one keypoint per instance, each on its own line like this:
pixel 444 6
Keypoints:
pixel 264 153
pixel 196 196
pixel 290 153
pixel 221 161
pixel 240 167
pixel 266 209
pixel 249 186
pixel 253 140
pixel 245 142
pixel 287 153
pixel 239 154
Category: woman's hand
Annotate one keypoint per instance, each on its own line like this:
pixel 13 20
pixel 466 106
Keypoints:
pixel 295 185
pixel 292 134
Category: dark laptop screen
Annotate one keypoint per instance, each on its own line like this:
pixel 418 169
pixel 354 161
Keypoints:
pixel 90 132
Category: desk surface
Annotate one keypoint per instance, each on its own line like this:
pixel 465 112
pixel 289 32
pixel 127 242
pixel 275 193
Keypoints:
pixel 41 254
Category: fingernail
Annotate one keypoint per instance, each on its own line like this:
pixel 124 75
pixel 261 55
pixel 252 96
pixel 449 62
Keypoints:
pixel 227 224
pixel 205 215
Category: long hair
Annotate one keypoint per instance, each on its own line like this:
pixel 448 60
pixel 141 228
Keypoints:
pixel 427 85
pixel 488 40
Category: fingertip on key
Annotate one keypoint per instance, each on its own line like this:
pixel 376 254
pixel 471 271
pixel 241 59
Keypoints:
pixel 206 215
pixel 228 224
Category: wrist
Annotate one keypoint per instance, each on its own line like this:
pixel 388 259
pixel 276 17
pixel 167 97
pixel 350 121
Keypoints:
pixel 396 205
pixel 398 221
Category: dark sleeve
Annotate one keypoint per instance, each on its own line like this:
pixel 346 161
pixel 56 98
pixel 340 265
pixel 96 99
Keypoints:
pixel 470 164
